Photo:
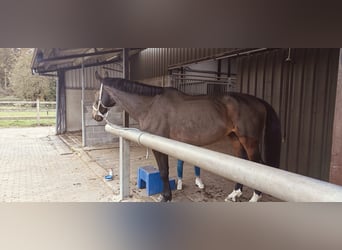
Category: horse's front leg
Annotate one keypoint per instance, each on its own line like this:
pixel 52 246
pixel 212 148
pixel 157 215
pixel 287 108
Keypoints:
pixel 163 165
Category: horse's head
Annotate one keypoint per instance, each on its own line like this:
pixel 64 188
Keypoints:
pixel 103 101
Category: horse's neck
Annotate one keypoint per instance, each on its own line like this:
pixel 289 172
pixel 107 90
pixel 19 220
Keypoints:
pixel 135 105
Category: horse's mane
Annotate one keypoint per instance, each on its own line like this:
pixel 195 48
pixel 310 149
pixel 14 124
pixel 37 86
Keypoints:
pixel 132 86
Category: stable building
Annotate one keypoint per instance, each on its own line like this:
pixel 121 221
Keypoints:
pixel 304 86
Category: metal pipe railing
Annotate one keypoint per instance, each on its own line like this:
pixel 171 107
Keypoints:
pixel 281 184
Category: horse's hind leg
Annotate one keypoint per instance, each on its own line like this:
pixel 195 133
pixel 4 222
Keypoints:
pixel 256 196
pixel 163 165
pixel 238 151
pixel 235 194
pixel 252 149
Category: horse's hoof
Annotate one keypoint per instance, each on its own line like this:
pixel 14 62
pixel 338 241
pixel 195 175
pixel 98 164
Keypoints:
pixel 233 195
pixel 230 199
pixel 255 197
pixel 199 183
pixel 162 198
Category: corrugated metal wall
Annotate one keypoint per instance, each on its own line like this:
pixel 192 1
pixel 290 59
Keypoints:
pixel 302 90
pixel 154 62
pixel 73 78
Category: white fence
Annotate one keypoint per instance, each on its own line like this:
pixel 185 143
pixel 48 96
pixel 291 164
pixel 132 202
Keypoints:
pixel 281 184
pixel 27 110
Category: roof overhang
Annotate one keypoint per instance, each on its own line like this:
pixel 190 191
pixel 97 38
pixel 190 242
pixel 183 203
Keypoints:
pixel 48 60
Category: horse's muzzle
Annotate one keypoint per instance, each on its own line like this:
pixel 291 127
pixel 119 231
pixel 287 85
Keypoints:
pixel 98 118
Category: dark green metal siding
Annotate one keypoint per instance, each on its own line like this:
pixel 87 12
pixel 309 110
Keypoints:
pixel 302 91
pixel 154 62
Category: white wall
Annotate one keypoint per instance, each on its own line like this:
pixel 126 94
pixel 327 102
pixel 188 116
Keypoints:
pixel 74 110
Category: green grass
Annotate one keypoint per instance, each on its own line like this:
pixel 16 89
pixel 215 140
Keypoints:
pixel 27 114
pixel 26 123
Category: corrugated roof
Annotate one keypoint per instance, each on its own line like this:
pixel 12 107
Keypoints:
pixel 46 60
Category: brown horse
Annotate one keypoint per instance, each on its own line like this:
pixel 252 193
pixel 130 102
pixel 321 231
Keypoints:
pixel 247 121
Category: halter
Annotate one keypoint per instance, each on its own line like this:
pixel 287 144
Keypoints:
pixel 97 109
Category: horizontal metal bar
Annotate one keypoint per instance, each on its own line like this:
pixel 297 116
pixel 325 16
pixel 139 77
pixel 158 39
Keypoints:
pixel 281 184
pixel 201 80
pixel 201 76
pixel 116 70
pixel 208 58
pixel 188 69
pixel 241 53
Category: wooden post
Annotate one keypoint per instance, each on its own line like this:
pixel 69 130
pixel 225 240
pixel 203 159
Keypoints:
pixel 38 114
pixel 124 144
pixel 336 150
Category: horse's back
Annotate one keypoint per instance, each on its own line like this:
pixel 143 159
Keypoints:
pixel 198 120
pixel 202 120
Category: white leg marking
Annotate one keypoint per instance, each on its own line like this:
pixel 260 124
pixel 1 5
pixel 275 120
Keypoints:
pixel 179 184
pixel 233 195
pixel 160 197
pixel 199 183
pixel 255 197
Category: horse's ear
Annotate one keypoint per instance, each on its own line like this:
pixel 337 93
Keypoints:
pixel 98 77
pixel 106 74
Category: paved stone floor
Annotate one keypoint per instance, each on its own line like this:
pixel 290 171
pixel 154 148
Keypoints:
pixel 36 165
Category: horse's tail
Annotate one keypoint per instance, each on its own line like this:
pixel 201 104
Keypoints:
pixel 272 138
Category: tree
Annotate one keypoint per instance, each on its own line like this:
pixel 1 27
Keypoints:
pixel 8 57
pixel 28 86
